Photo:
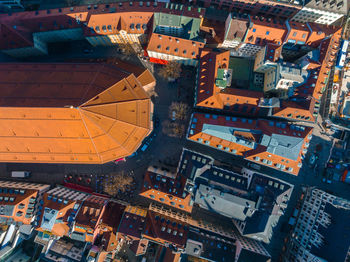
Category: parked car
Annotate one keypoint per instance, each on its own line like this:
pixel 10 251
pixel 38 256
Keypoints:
pixel 313 158
pixel 20 174
pixel 254 166
pixel 88 51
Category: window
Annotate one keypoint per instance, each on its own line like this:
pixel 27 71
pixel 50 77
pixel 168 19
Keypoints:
pixel 254 30
pixel 97 29
pixel 295 34
pixel 267 32
pixel 176 50
pixel 304 35
pixel 184 52
pixel 158 47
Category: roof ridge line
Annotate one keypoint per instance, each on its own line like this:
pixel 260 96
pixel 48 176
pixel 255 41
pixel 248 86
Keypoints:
pixel 107 133
pixel 137 125
pixel 93 143
pixel 90 84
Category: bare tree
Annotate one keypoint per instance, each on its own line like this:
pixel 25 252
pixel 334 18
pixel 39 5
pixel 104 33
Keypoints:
pixel 173 129
pixel 166 129
pixel 119 182
pixel 172 70
pixel 180 110
pixel 178 129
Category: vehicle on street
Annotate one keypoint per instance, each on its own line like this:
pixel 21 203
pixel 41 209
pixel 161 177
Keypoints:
pixel 254 166
pixel 88 51
pixel 173 116
pixel 20 174
pixel 313 158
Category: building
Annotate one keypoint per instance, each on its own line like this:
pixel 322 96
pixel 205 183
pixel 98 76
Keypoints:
pixel 204 231
pixel 20 205
pixel 260 33
pixel 211 246
pixel 131 228
pixel 176 37
pixel 59 209
pixel 67 113
pixel 322 12
pixel 166 230
pixel 253 201
pixel 213 87
pixel 166 188
pixel 279 10
pixel 283 78
pixel 107 239
pixel 320 232
pixel 236 26
pixel 28 33
pixel 307 78
pixel 278 145
pixel 86 224
pixel 65 249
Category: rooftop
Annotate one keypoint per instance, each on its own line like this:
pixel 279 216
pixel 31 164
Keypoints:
pixel 275 144
pixel 167 190
pixel 164 229
pixel 102 105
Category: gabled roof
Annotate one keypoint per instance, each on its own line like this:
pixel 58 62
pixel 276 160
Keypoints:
pixel 167 190
pixel 164 229
pixel 175 46
pixel 275 144
pixel 237 29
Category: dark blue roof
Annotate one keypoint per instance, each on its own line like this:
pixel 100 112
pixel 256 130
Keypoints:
pixel 190 161
pixel 336 235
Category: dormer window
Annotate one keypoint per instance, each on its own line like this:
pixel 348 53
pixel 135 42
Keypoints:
pixel 138 26
pixel 132 26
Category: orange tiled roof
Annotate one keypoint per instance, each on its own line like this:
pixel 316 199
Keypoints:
pixel 71 113
pixel 118 15
pixel 166 190
pixel 211 96
pixel 298 32
pixel 252 131
pixel 261 32
pixel 174 46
